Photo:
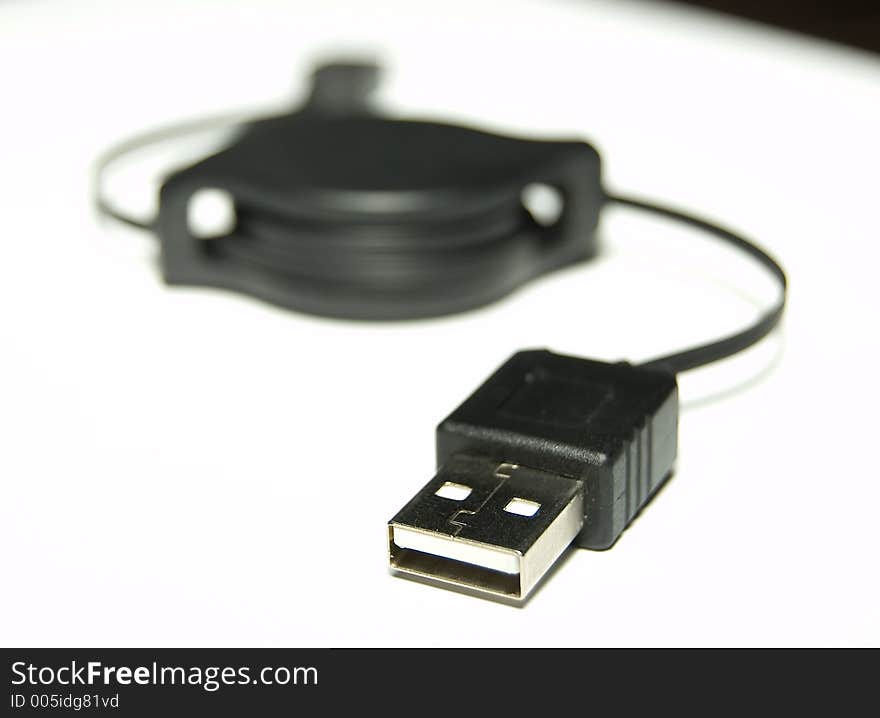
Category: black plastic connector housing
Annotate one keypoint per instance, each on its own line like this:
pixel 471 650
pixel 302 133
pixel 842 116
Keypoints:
pixel 612 426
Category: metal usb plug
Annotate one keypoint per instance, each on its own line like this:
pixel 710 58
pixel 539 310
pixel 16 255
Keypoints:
pixel 487 526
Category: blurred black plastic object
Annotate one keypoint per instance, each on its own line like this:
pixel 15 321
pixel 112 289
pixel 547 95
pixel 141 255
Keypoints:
pixel 338 211
pixel 343 212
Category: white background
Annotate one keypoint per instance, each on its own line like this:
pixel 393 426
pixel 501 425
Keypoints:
pixel 189 467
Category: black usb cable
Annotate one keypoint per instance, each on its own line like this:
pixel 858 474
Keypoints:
pixel 340 211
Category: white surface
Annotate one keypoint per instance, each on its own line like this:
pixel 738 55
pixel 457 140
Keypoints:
pixel 189 467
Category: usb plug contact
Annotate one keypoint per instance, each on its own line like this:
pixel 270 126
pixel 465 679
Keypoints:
pixel 488 526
